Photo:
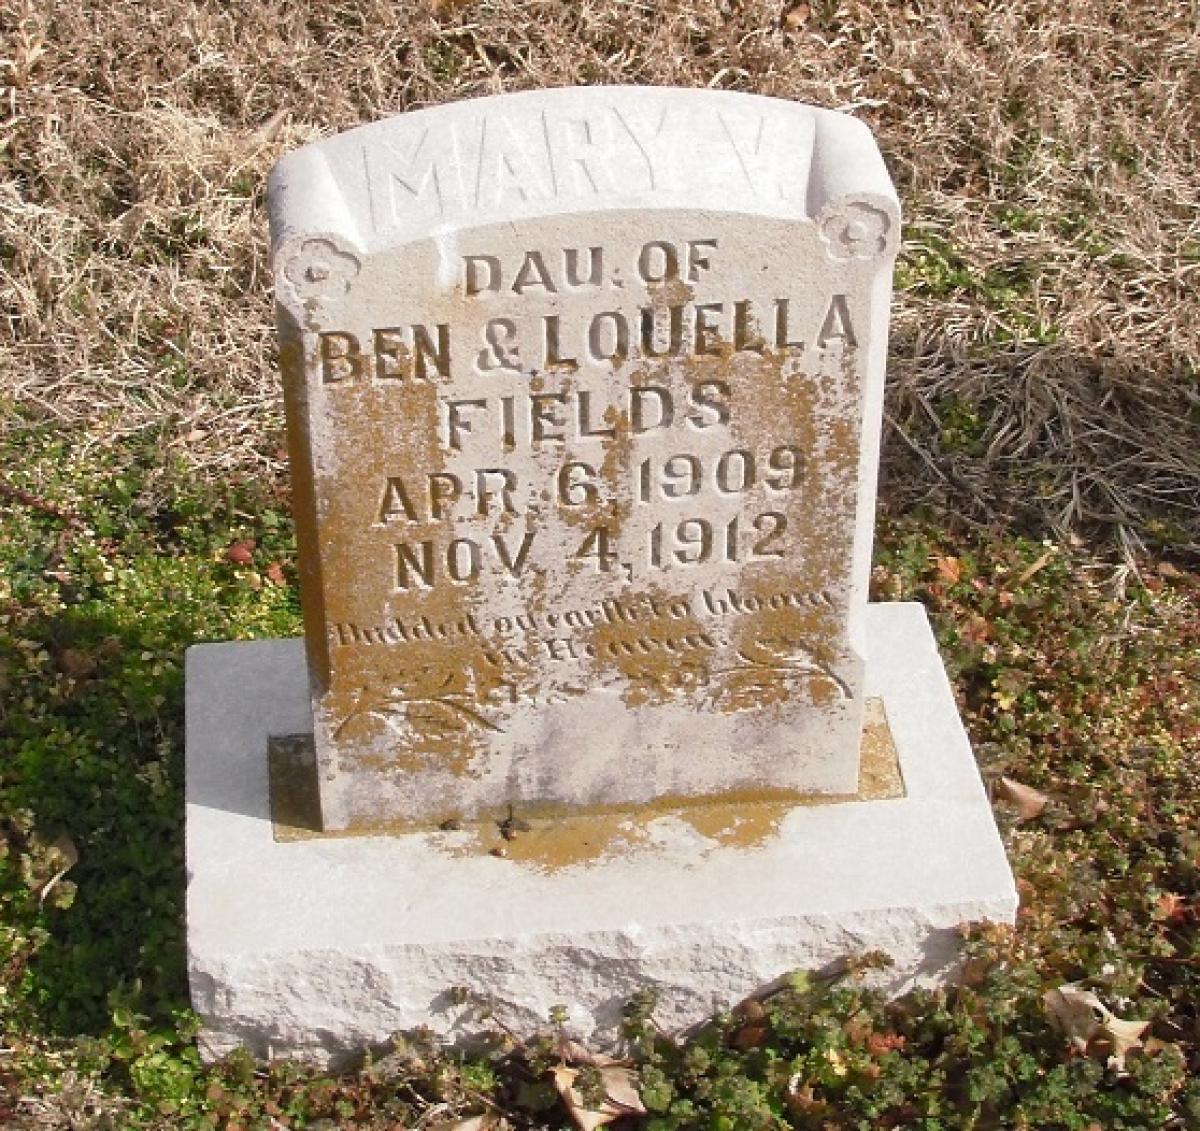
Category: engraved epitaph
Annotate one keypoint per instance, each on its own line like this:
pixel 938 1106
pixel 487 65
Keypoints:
pixel 583 393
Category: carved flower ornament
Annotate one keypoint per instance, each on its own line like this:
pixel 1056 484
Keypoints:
pixel 319 269
pixel 855 231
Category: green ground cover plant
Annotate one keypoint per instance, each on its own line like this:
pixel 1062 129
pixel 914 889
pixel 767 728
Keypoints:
pixel 1041 496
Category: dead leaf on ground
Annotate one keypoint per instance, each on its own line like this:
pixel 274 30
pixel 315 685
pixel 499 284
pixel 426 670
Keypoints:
pixel 796 16
pixel 63 855
pixel 241 553
pixel 1029 802
pixel 801 1098
pixel 572 1052
pixel 1173 908
pixel 269 130
pixel 621 1097
pixel 76 663
pixel 949 569
pixel 754 1028
pixel 977 630
pixel 1091 1027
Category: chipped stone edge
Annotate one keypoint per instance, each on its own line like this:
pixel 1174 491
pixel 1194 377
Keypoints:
pixel 317 949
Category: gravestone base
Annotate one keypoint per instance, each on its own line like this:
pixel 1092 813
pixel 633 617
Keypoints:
pixel 319 946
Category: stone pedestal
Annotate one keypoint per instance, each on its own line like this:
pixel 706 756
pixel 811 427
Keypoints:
pixel 314 946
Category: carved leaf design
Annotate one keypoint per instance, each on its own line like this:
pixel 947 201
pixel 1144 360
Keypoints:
pixel 771 660
pixel 444 709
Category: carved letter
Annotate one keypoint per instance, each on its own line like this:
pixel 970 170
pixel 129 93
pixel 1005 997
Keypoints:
pixel 533 273
pixel 513 565
pixel 675 341
pixel 581 159
pixel 406 560
pixel 341 357
pixel 472 266
pixel 424 350
pixel 553 351
pixel 445 489
pixel 836 326
pixel 396 501
pixel 670 262
pixel 585 418
pixel 506 165
pixel 696 259
pixel 541 415
pixel 706 327
pixel 500 334
pixel 654 144
pixel 773 161
pixel 744 336
pixel 456 567
pixel 638 398
pixel 456 424
pixel 484 494
pixel 391 353
pixel 620 336
pixel 595 267
pixel 710 397
pixel 781 326
pixel 397 181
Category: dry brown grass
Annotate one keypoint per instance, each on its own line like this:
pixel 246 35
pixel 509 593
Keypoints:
pixel 1047 339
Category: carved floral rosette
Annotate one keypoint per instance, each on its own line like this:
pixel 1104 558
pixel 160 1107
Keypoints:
pixel 319 269
pixel 854 229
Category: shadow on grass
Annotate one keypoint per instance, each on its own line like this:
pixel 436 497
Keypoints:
pixel 1045 440
pixel 92 727
pixel 104 767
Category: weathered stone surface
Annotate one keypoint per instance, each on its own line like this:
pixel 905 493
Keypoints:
pixel 584 391
pixel 317 947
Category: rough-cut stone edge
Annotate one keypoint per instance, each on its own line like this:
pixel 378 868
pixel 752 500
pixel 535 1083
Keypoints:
pixel 316 948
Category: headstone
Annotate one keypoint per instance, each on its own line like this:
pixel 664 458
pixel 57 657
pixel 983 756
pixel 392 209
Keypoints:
pixel 584 392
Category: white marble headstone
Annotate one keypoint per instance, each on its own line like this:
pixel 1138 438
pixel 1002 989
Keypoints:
pixel 584 391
